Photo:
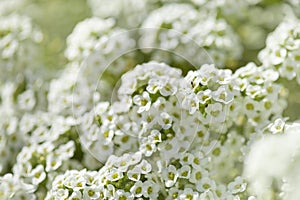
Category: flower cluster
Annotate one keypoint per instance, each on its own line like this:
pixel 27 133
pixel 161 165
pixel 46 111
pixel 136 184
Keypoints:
pixel 16 99
pixel 182 30
pixel 129 177
pixel 282 50
pixel 66 94
pixel 12 187
pixel 263 99
pixel 36 161
pixel 188 177
pixel 125 177
pixel 147 119
pixel 75 185
pixel 19 41
pixel 144 119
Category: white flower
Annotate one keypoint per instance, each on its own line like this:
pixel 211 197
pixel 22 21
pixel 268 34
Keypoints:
pixel 253 90
pixel 208 194
pixel 238 185
pixel 38 174
pixel 204 96
pixel 198 174
pixel 250 107
pixel 277 126
pixel 114 174
pixel 134 10
pixel 170 176
pixel 66 150
pixel 191 103
pixel 137 189
pixel 19 46
pixel 173 193
pixel 27 100
pixel 155 136
pixel 278 55
pixel 266 162
pixel 75 195
pixel 144 167
pixel 170 148
pixel 122 195
pixel 205 184
pixel 169 87
pixel 165 120
pixel 188 193
pixel 184 172
pixel 154 86
pixel 91 192
pixel 62 193
pixel 282 49
pixel 134 174
pixel 223 95
pixel 147 147
pixel 143 101
pixel 11 186
pixel 150 189
pixel 52 163
pixel 215 113
pixel 288 69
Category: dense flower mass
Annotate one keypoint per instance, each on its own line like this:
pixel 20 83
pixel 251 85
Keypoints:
pixel 153 99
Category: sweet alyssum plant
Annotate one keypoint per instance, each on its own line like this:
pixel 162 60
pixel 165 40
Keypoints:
pixel 155 100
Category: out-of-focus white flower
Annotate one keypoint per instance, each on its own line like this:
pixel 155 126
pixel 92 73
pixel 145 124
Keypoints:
pixel 8 6
pixel 129 13
pixel 27 100
pixel 197 37
pixel 19 41
pixel 275 158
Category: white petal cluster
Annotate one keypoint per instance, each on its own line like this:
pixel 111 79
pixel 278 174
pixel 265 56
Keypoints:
pixel 129 177
pixel 16 99
pixel 220 97
pixel 11 141
pixel 70 93
pixel 262 99
pixel 19 41
pixel 11 187
pixel 36 162
pixel 75 184
pixel 282 50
